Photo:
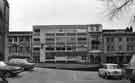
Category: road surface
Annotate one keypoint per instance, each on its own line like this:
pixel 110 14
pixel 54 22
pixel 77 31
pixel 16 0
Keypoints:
pixel 44 75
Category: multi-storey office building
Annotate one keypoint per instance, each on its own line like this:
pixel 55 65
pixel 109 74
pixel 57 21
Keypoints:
pixel 119 46
pixel 61 42
pixel 19 43
pixel 4 27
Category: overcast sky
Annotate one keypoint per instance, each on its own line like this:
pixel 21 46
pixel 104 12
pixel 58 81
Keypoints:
pixel 26 13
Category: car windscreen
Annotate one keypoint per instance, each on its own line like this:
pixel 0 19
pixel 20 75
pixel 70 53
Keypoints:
pixel 18 61
pixel 112 66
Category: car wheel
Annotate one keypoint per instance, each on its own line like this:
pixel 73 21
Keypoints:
pixel 105 76
pixel 6 74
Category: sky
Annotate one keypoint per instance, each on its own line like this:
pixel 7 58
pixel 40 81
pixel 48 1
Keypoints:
pixel 26 13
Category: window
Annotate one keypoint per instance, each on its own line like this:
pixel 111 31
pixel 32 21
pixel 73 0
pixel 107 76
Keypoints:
pixel 97 28
pixel 37 30
pixel 131 39
pixel 36 49
pixel 120 39
pixel 49 56
pixel 59 34
pixel 69 48
pixel 50 34
pixel 60 48
pixel 15 39
pixel 81 38
pixel 110 48
pixel 120 47
pixel 82 34
pixel 49 39
pixel 109 39
pixel 71 34
pixel 21 38
pixel 9 40
pixel 84 57
pixel 50 48
pixel 36 39
pixel 94 47
pixel 130 48
pixel 95 42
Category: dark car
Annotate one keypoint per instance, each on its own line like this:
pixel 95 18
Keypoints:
pixel 9 71
pixel 24 63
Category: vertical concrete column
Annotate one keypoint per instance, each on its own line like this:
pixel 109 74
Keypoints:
pixel 6 47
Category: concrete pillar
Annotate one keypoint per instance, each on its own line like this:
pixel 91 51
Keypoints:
pixel 6 48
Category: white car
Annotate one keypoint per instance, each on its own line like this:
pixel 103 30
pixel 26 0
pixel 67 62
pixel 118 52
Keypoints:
pixel 110 70
pixel 9 71
pixel 22 63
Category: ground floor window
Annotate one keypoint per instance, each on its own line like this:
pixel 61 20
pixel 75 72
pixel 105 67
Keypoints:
pixel 118 59
pixel 97 59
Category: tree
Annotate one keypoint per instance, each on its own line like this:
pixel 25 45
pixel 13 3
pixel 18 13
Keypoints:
pixel 117 7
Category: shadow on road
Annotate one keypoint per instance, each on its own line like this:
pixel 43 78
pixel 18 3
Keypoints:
pixel 18 76
pixel 4 81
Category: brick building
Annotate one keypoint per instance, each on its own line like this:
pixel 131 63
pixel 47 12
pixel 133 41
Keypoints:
pixel 119 45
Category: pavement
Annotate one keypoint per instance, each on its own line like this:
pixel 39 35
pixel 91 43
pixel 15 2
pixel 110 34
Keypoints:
pixel 71 66
pixel 45 75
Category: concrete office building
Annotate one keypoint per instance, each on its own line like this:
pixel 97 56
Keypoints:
pixel 19 43
pixel 61 42
pixel 4 27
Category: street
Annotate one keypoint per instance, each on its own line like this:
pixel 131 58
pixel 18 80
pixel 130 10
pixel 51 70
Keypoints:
pixel 44 75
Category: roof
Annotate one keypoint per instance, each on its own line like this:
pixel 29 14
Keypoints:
pixel 82 26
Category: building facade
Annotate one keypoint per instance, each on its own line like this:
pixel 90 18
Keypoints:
pixel 61 42
pixel 19 43
pixel 4 27
pixel 95 44
pixel 68 43
pixel 119 46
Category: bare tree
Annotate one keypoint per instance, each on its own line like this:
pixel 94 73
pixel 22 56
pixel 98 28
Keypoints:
pixel 115 8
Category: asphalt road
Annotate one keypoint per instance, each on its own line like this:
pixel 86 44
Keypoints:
pixel 44 75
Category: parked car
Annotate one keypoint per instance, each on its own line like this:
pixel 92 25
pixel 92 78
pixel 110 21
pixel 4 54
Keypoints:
pixel 22 63
pixel 9 71
pixel 110 71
